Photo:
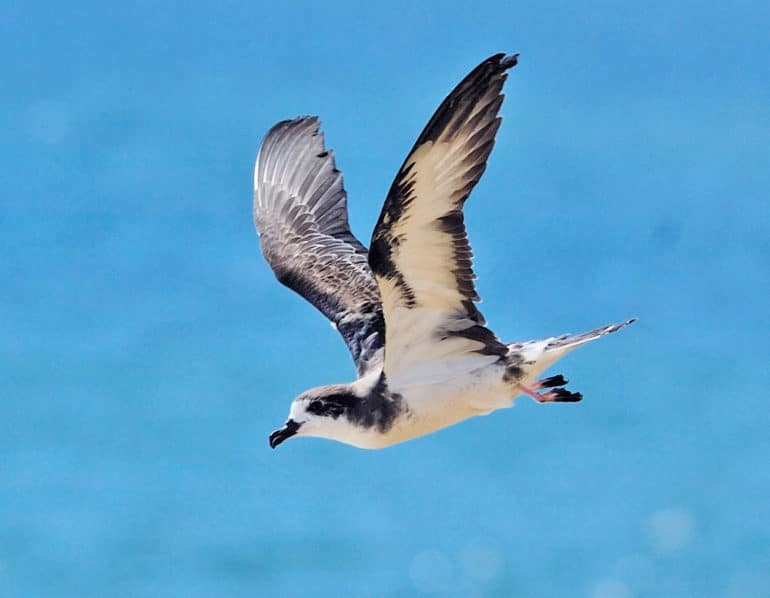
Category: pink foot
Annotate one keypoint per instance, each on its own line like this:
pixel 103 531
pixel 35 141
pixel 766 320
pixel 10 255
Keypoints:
pixel 557 395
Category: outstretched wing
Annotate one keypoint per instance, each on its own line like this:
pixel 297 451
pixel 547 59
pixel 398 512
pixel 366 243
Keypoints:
pixel 419 252
pixel 300 210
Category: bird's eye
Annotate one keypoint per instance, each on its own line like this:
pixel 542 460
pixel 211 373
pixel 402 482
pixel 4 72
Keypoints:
pixel 315 406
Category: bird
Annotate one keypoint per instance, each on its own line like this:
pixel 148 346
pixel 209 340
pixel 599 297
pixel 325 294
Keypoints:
pixel 406 306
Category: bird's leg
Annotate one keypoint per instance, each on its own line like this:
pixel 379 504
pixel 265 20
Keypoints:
pixel 557 395
pixel 530 392
pixel 549 382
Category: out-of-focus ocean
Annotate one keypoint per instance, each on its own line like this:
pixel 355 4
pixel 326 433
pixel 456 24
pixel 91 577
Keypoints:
pixel 146 351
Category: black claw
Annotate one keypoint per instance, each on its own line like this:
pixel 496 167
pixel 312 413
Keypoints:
pixel 552 381
pixel 565 396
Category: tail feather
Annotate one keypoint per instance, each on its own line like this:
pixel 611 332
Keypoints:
pixel 529 359
pixel 568 341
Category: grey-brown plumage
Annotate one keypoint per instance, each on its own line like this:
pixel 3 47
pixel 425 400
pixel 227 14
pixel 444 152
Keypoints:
pixel 300 210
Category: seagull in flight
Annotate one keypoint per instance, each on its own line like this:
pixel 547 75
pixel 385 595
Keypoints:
pixel 406 307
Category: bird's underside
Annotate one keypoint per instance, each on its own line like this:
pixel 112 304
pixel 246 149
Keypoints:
pixel 406 308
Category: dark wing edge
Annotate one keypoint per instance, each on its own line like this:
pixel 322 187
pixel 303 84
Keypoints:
pixel 468 120
pixel 300 212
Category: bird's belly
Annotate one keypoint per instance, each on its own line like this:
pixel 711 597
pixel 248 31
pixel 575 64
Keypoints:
pixel 430 407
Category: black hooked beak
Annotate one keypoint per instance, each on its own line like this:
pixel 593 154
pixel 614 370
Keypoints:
pixel 289 429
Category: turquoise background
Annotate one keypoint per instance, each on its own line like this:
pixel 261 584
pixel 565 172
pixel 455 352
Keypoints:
pixel 146 351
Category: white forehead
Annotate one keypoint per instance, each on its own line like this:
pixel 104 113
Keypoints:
pixel 297 411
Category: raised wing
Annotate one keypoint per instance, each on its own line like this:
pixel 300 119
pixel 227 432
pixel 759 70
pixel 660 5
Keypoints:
pixel 300 210
pixel 419 252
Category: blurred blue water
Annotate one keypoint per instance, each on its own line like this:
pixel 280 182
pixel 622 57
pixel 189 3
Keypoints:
pixel 146 351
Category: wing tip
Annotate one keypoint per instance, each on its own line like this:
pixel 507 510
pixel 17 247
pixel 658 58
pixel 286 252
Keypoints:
pixel 289 128
pixel 508 61
pixel 305 119
pixel 282 127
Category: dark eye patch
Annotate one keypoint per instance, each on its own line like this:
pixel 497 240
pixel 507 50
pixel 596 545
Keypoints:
pixel 332 406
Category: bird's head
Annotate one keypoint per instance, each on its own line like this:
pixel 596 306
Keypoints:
pixel 317 412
